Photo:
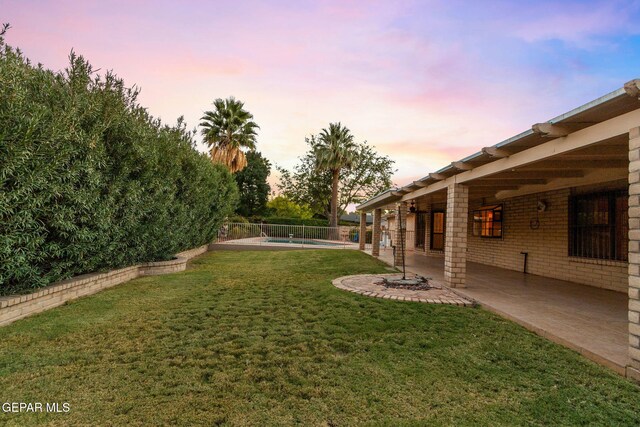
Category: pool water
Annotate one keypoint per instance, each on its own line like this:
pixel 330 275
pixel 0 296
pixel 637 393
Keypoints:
pixel 300 241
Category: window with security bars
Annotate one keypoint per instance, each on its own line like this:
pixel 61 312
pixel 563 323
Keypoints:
pixel 487 221
pixel 599 226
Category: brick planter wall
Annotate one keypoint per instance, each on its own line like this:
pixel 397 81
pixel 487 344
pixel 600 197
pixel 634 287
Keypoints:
pixel 16 307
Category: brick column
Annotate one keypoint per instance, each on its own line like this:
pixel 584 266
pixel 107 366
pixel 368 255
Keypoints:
pixel 375 240
pixel 362 236
pixel 455 244
pixel 400 240
pixel 633 370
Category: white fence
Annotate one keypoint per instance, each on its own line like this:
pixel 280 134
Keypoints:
pixel 304 236
pixel 291 235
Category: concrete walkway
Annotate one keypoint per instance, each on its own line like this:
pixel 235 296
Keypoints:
pixel 589 320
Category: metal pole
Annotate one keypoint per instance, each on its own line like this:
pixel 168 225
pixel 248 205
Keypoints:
pixel 403 236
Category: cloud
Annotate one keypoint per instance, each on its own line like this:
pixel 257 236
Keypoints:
pixel 581 24
pixel 426 82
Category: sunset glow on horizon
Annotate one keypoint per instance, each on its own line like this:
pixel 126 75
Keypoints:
pixel 425 82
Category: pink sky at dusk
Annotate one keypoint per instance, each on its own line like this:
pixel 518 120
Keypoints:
pixel 426 82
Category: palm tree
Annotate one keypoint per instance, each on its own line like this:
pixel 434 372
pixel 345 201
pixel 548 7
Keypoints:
pixel 334 150
pixel 227 130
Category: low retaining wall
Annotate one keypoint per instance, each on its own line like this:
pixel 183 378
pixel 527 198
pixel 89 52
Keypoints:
pixel 16 307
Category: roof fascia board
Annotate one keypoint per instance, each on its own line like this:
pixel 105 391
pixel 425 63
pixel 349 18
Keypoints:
pixel 579 139
pixel 621 92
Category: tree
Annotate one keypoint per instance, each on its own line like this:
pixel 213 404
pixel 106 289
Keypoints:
pixel 253 186
pixel 284 207
pixel 227 130
pixel 334 150
pixel 369 174
pixel 305 185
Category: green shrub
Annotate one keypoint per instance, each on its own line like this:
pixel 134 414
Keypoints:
pixel 237 219
pixel 89 181
pixel 243 231
pixel 312 222
pixel 284 207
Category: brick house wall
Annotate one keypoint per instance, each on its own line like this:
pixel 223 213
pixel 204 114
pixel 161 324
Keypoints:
pixel 548 246
pixel 410 230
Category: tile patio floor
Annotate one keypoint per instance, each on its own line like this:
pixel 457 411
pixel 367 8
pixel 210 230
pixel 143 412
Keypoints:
pixel 589 320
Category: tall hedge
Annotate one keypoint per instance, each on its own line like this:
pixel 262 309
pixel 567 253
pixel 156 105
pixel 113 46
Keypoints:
pixel 89 181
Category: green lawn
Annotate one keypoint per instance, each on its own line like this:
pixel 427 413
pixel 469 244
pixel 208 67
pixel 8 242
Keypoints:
pixel 263 338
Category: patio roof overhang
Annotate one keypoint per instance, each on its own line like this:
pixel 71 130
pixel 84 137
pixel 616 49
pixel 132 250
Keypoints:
pixel 586 144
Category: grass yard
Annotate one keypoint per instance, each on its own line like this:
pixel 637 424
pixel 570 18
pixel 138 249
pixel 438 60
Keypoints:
pixel 263 338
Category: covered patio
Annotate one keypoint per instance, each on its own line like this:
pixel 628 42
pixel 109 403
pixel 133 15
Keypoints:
pixel 590 320
pixel 542 228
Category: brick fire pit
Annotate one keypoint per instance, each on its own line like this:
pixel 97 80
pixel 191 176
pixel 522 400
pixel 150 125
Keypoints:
pixel 372 285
